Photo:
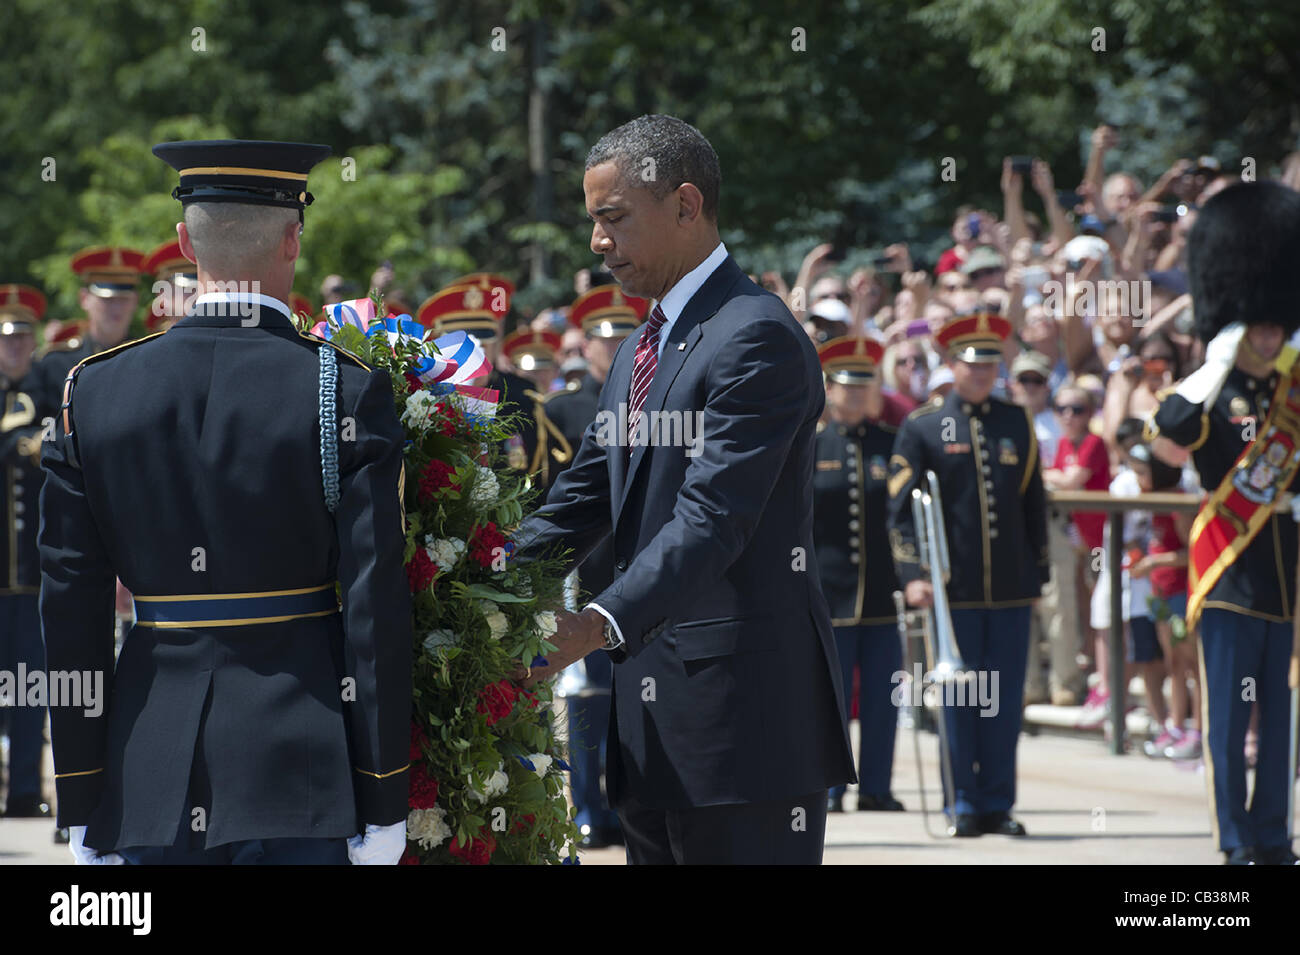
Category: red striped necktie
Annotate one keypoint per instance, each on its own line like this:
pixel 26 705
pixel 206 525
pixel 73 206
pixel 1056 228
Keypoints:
pixel 643 369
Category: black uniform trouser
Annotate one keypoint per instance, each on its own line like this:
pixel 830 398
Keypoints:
pixel 789 831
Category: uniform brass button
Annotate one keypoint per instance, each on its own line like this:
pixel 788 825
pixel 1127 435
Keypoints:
pixel 993 532
pixel 988 485
pixel 984 453
pixel 854 525
pixel 18 507
pixel 993 517
pixel 853 557
pixel 862 432
pixel 18 523
pixel 984 408
pixel 986 469
pixel 965 407
pixel 18 490
pixel 853 477
pixel 853 494
pixel 853 509
pixel 842 430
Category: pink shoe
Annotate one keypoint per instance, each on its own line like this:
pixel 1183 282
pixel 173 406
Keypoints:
pixel 1156 748
pixel 1094 712
pixel 1189 747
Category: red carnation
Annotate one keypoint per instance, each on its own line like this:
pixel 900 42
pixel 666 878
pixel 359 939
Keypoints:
pixel 496 700
pixel 477 851
pixel 423 791
pixel 420 571
pixel 446 419
pixel 484 543
pixel 533 702
pixel 436 476
pixel 418 740
pixel 412 383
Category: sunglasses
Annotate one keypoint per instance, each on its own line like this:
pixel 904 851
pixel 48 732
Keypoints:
pixel 1032 381
pixel 1071 409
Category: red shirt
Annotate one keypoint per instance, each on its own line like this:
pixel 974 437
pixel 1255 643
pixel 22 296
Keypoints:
pixel 1090 454
pixel 1166 582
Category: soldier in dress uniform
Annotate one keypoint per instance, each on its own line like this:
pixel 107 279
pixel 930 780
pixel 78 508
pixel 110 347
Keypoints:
pixel 1238 416
pixel 175 278
pixel 850 497
pixel 985 455
pixel 22 416
pixel 249 719
pixel 109 296
pixel 605 315
pixel 478 304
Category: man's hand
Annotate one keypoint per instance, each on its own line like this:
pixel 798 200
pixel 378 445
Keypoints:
pixel 578 634
pixel 86 855
pixel 919 593
pixel 378 845
pixel 1104 138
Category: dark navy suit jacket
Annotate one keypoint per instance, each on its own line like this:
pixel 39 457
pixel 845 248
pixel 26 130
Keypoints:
pixel 728 691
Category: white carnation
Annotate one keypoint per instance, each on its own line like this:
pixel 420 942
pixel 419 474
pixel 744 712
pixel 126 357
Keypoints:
pixel 541 763
pixel 493 786
pixel 445 553
pixel 498 624
pixel 546 623
pixel 419 411
pixel 428 827
pixel 485 490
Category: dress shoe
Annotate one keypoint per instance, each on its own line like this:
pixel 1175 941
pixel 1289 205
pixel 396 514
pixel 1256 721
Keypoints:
pixel 870 802
pixel 26 807
pixel 1244 855
pixel 1277 855
pixel 61 837
pixel 965 827
pixel 1000 824
pixel 835 803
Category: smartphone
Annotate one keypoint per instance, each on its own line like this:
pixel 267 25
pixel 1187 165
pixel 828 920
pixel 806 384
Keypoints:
pixel 1166 214
pixel 1022 164
pixel 1068 199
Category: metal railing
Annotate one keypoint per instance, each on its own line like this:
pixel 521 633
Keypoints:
pixel 1115 508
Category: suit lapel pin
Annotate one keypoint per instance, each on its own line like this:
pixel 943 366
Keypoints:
pixel 681 346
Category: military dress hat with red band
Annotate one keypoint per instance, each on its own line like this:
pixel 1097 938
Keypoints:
pixel 167 263
pixel 252 172
pixel 21 308
pixel 461 307
pixel 975 338
pixel 851 359
pixel 109 271
pixel 497 290
pixel 606 312
pixel 69 333
pixel 530 350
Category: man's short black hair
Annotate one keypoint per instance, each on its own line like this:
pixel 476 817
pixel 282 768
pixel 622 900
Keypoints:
pixel 661 153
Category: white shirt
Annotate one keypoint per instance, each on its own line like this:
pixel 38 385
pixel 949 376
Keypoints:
pixel 673 304
pixel 252 298
pixel 677 297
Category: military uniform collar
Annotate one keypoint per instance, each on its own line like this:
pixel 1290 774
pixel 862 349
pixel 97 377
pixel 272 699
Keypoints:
pixel 955 402
pixel 237 309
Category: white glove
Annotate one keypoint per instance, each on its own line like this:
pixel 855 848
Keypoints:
pixel 379 845
pixel 86 855
pixel 1202 386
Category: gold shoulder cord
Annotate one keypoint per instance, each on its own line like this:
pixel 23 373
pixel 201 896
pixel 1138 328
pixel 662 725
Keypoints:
pixel 546 429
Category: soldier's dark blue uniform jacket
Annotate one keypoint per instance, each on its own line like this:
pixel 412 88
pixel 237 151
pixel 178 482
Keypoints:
pixel 22 411
pixel 1261 580
pixel 851 485
pixel 986 459
pixel 192 469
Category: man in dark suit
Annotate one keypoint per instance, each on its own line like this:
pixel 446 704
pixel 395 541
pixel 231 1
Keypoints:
pixel 248 719
pixel 727 722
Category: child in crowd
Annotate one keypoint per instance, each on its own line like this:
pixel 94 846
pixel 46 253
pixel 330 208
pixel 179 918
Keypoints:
pixel 1165 565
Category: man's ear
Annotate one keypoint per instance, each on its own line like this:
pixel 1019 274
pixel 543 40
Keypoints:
pixel 690 203
pixel 187 247
pixel 291 242
pixel 83 297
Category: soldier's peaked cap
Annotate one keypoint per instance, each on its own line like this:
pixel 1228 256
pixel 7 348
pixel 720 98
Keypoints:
pixel 238 170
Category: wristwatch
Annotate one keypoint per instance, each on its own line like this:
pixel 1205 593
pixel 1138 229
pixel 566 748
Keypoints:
pixel 612 642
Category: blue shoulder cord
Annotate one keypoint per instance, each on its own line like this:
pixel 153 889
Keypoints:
pixel 329 439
